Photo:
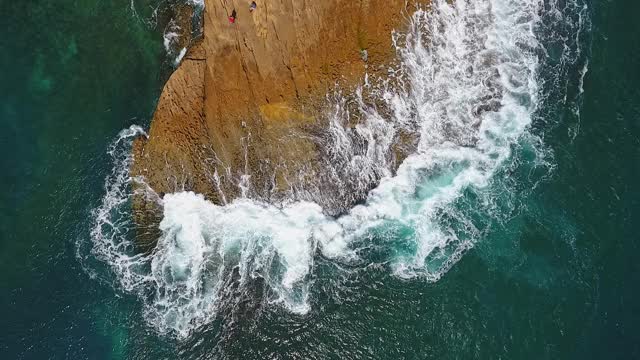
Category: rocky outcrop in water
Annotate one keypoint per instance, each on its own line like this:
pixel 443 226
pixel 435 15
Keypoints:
pixel 240 113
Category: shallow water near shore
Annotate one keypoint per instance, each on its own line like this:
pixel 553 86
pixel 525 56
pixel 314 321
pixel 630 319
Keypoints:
pixel 541 262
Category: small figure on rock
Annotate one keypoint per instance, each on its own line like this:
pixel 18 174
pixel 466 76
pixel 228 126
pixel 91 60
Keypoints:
pixel 232 18
pixel 253 6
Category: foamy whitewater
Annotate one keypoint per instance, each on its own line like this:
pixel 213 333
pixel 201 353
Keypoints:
pixel 471 89
pixel 171 36
pixel 170 42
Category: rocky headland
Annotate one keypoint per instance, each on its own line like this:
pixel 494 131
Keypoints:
pixel 240 114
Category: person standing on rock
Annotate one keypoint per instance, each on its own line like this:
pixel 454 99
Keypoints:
pixel 253 6
pixel 232 18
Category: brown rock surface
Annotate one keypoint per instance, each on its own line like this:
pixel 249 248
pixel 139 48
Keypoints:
pixel 243 95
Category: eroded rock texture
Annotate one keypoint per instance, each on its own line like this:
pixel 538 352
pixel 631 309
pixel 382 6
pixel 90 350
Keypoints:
pixel 242 106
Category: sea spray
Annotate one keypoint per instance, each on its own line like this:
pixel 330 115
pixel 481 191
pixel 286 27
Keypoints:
pixel 472 89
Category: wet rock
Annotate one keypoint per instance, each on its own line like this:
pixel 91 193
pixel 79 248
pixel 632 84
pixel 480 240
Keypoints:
pixel 235 117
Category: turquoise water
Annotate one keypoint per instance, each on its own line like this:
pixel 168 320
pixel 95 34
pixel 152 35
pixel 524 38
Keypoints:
pixel 553 276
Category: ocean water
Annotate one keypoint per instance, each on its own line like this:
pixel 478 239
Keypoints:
pixel 509 233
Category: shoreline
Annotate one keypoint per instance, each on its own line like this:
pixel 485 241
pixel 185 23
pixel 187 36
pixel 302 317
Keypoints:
pixel 243 104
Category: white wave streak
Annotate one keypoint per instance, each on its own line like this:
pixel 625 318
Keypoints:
pixel 171 42
pixel 112 222
pixel 470 72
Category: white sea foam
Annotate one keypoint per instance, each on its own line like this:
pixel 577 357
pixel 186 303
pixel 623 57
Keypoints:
pixel 472 87
pixel 169 39
pixel 199 3
pixel 181 55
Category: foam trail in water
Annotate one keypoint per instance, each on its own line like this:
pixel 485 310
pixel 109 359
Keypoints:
pixel 171 40
pixel 471 69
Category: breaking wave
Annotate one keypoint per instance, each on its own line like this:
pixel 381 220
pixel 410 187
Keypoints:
pixel 470 93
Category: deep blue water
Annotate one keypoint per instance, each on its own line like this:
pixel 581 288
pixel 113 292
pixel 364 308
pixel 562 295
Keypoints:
pixel 558 280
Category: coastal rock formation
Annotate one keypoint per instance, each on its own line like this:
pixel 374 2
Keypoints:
pixel 237 115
